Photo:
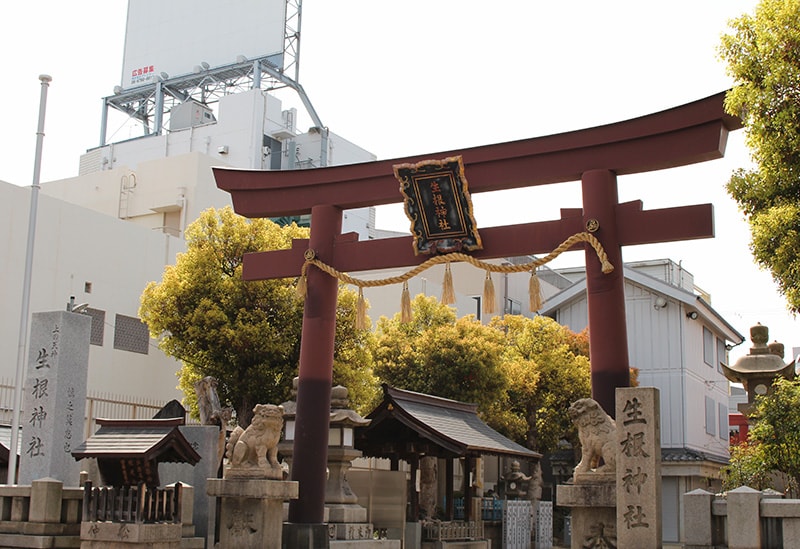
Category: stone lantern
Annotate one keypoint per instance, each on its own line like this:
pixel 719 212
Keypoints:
pixel 759 368
pixel 346 519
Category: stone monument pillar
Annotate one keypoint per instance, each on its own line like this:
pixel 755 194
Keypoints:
pixel 252 490
pixel 638 467
pixel 55 396
pixel 615 496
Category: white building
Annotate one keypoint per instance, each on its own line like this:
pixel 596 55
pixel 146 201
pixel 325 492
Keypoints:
pixel 163 181
pixel 677 341
pixel 102 262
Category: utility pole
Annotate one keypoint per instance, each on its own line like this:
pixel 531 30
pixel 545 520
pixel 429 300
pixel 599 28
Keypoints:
pixel 24 319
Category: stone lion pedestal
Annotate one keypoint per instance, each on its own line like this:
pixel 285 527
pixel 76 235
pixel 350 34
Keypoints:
pixel 592 500
pixel 615 496
pixel 252 491
pixel 251 513
pixel 592 495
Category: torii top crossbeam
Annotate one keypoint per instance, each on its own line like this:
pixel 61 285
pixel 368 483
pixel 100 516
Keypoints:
pixel 684 135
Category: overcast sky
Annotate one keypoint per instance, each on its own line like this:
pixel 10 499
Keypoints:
pixel 422 76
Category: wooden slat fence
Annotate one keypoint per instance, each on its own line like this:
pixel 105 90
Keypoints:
pixel 134 504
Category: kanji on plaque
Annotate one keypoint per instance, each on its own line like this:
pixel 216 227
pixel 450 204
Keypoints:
pixel 638 491
pixel 438 204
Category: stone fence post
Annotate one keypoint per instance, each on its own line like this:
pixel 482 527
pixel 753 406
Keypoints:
pixel 697 519
pixel 744 518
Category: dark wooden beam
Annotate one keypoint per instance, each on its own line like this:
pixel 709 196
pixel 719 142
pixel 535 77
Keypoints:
pixel 684 135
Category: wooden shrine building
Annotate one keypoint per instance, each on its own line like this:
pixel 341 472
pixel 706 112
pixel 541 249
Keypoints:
pixel 128 451
pixel 408 426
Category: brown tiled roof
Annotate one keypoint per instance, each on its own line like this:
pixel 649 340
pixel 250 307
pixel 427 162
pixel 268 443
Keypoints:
pixel 149 439
pixel 408 423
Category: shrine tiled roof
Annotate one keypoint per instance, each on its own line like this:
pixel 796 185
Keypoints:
pixel 150 439
pixel 686 455
pixel 406 423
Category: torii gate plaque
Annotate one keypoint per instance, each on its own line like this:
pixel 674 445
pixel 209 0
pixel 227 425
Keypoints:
pixel 691 133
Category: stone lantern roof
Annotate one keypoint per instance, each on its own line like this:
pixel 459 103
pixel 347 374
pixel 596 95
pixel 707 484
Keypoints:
pixel 760 367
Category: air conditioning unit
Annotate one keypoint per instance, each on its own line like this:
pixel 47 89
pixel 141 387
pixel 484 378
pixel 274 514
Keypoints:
pixel 190 114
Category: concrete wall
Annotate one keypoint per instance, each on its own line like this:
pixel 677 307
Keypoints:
pixel 78 250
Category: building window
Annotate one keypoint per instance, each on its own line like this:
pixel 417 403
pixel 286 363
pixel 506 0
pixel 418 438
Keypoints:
pixel 722 354
pixel 131 334
pixel 723 421
pixel 711 416
pixel 98 326
pixel 478 306
pixel 513 307
pixel 708 347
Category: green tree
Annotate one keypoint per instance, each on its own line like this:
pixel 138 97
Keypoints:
pixel 438 354
pixel 244 333
pixel 747 468
pixel 548 369
pixel 763 56
pixel 773 450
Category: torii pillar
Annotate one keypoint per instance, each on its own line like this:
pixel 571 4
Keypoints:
pixel 684 135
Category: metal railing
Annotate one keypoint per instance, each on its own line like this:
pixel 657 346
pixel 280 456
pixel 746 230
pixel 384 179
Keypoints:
pixel 443 531
pixel 98 405
pixel 491 509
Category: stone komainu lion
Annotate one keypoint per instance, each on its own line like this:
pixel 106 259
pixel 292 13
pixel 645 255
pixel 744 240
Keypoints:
pixel 256 447
pixel 598 436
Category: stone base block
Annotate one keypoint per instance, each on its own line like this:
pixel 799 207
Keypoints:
pixel 23 540
pixel 366 544
pixel 593 477
pixel 45 529
pixel 122 534
pixel 346 513
pixel 458 544
pixel 251 511
pixel 587 495
pixel 594 512
pixel 193 543
pixel 259 489
pixel 350 531
pixel 305 536
pixel 594 527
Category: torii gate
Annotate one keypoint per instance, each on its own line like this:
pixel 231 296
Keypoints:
pixel 684 135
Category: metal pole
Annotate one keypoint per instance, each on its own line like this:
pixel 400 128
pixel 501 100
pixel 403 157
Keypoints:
pixel 26 286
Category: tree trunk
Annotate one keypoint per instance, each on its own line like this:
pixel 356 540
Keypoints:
pixel 428 486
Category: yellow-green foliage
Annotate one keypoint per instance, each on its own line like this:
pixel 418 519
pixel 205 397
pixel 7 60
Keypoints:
pixel 763 56
pixel 522 373
pixel 548 369
pixel 773 449
pixel 244 333
pixel 438 354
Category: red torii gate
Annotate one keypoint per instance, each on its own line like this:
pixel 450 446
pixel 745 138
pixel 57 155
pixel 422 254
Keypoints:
pixel 684 135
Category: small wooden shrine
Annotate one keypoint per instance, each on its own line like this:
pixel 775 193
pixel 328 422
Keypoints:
pixel 408 426
pixel 128 451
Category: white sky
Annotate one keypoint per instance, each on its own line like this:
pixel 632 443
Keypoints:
pixel 422 76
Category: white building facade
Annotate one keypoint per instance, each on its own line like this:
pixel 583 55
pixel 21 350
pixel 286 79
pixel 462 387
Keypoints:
pixel 677 341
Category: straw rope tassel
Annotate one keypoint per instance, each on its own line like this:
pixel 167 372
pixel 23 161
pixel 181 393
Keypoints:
pixel 448 294
pixel 489 302
pixel 302 283
pixel 361 311
pixel 405 305
pixel 488 294
pixel 535 292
